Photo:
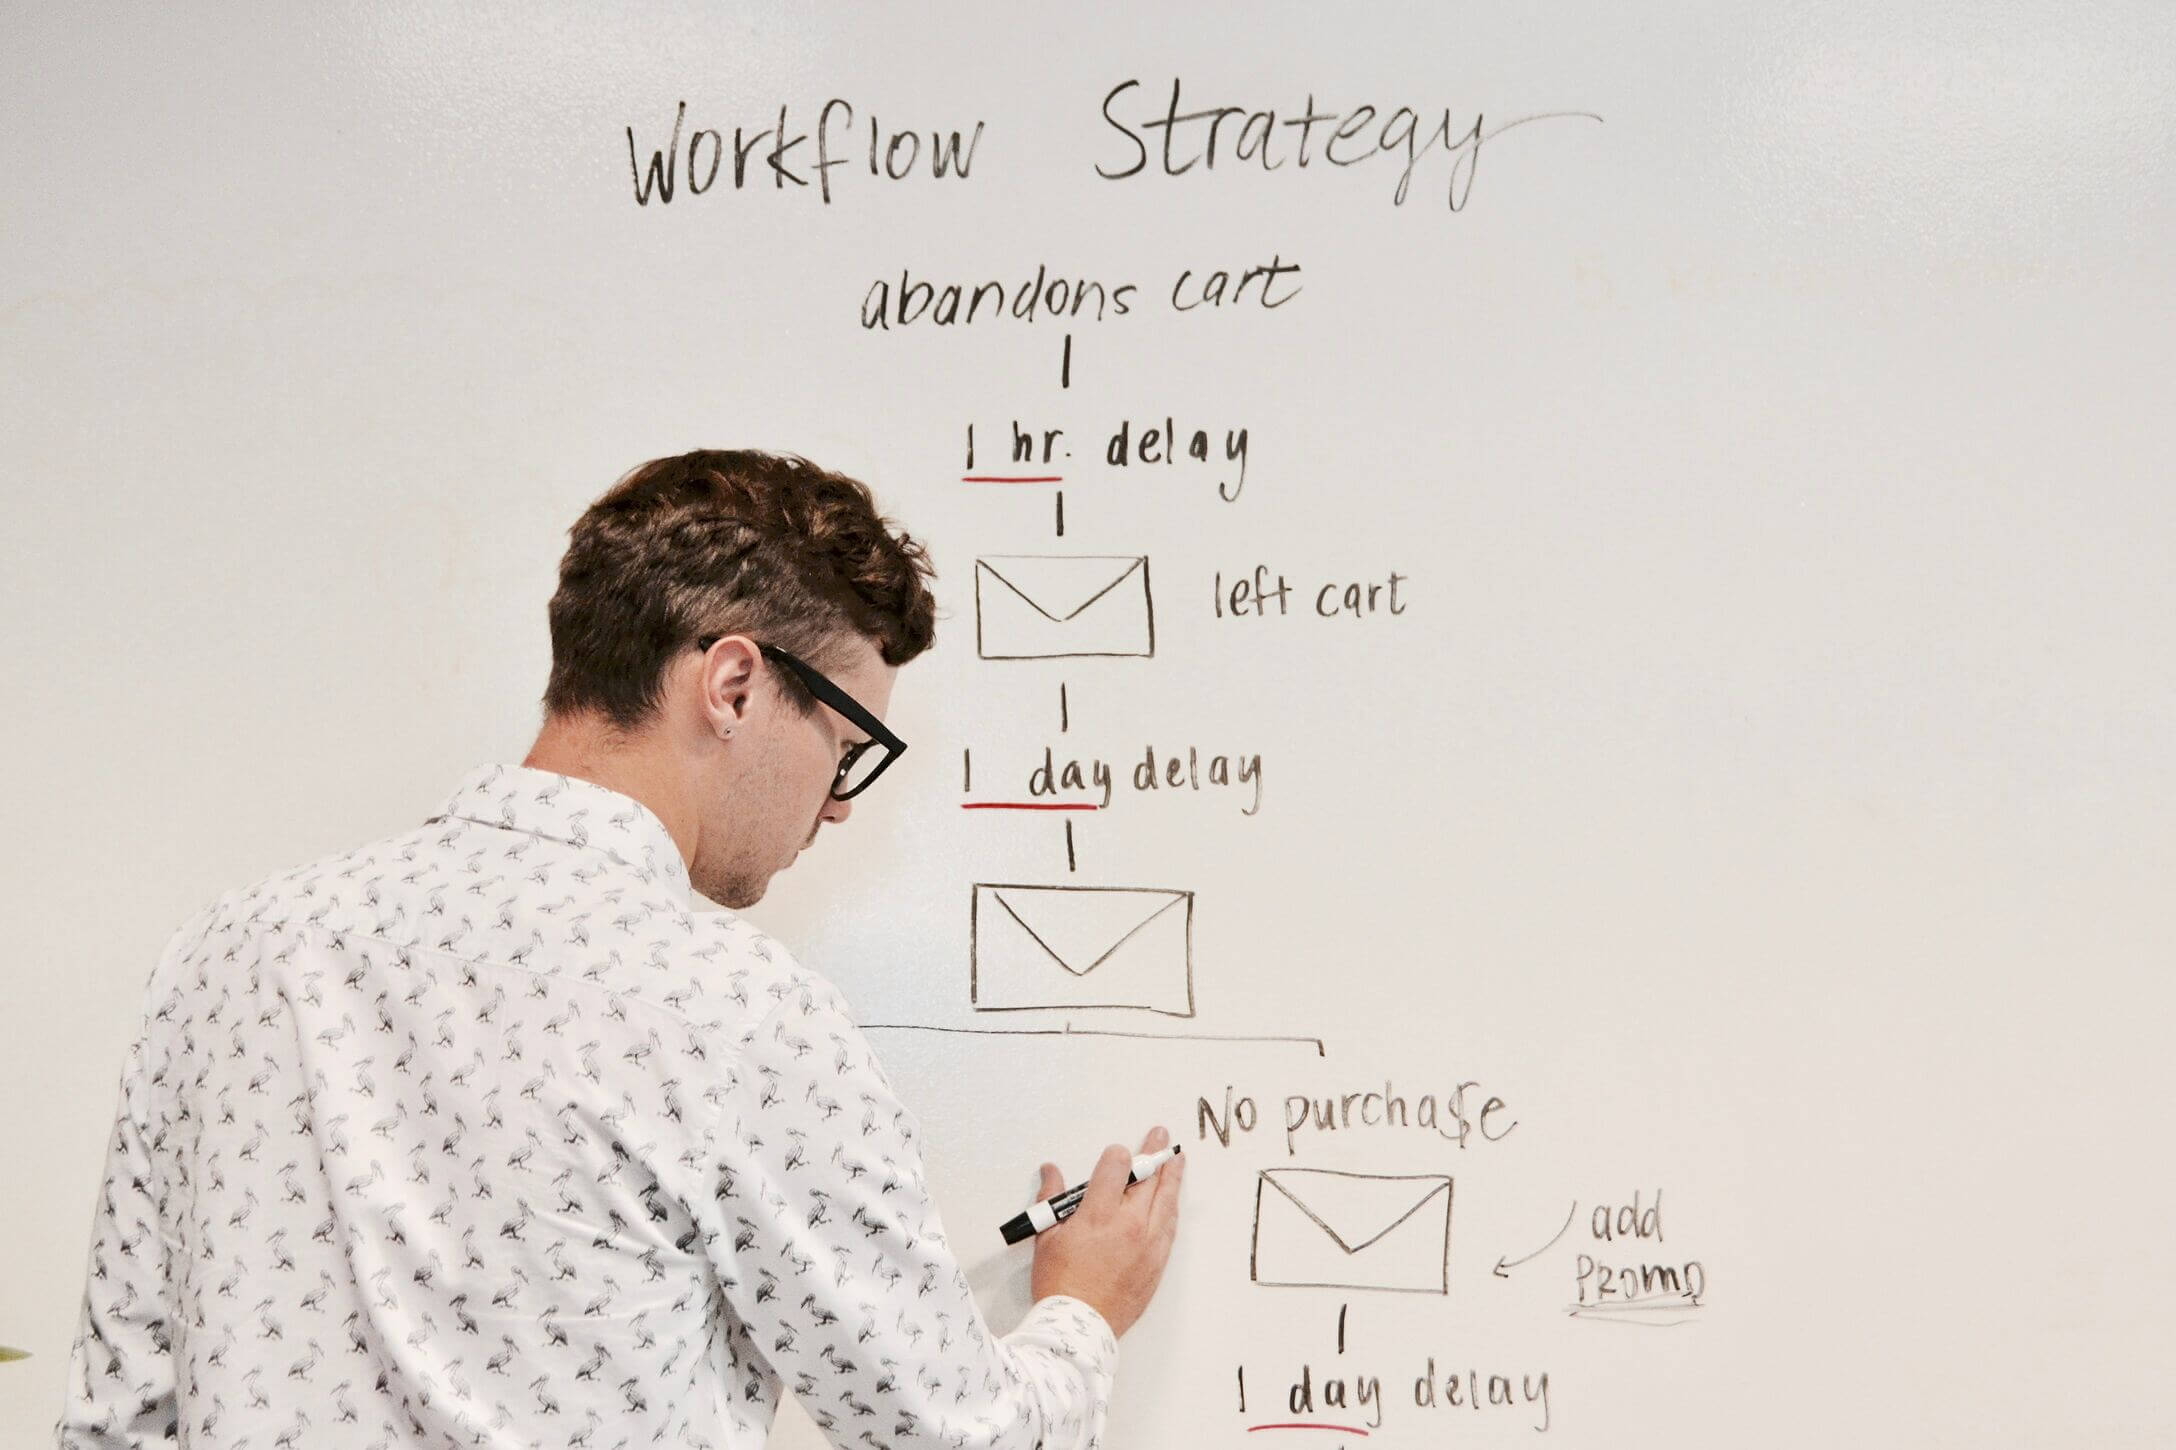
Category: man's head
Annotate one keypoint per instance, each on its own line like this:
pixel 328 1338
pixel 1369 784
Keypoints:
pixel 673 584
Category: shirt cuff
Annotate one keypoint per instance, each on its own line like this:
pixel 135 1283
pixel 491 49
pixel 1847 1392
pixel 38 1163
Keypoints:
pixel 1079 1322
pixel 1079 1341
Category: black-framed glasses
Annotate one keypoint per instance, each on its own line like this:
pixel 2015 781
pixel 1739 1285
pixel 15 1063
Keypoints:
pixel 864 760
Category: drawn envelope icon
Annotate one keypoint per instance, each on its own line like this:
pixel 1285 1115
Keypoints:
pixel 1321 1229
pixel 1081 946
pixel 1056 606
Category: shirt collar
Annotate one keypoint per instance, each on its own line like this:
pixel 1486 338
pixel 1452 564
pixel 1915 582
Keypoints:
pixel 579 812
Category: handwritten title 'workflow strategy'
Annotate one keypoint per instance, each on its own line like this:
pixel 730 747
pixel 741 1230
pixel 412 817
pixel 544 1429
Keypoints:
pixel 1143 141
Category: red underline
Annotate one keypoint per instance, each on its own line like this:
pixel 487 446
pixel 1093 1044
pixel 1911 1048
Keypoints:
pixel 1341 1429
pixel 994 478
pixel 1021 806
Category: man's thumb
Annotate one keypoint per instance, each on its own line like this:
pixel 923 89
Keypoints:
pixel 1053 1182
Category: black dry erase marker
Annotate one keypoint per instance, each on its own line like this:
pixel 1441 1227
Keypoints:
pixel 1053 1211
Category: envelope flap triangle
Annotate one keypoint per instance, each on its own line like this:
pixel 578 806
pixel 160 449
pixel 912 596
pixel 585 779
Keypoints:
pixel 1356 1209
pixel 1062 586
pixel 1081 927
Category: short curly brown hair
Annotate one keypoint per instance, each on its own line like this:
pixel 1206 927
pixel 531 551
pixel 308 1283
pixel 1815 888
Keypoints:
pixel 727 541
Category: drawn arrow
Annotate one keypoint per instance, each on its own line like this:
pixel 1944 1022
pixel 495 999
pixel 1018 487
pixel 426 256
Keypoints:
pixel 1503 1264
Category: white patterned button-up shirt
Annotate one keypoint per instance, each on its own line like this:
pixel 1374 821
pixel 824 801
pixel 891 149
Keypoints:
pixel 481 1136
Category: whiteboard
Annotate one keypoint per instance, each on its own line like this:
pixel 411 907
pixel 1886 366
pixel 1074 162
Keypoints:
pixel 1628 692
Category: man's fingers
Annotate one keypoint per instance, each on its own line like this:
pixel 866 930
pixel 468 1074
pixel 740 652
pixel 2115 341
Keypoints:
pixel 1157 1140
pixel 1053 1182
pixel 1108 1181
pixel 1107 1184
pixel 1166 1180
pixel 1163 1209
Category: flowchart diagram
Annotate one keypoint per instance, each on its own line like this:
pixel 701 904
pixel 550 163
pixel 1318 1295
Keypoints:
pixel 1101 958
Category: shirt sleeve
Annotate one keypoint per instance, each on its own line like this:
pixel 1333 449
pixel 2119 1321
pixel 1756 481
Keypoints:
pixel 121 1369
pixel 121 1372
pixel 830 1253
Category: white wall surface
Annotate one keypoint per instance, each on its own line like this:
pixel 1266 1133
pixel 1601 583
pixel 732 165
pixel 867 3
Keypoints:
pixel 1764 791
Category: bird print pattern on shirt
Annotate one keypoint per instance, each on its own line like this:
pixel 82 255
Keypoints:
pixel 479 1135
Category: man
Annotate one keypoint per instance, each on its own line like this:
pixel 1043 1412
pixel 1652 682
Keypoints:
pixel 481 1135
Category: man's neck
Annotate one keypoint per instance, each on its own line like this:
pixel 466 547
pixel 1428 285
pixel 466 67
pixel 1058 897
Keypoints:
pixel 636 765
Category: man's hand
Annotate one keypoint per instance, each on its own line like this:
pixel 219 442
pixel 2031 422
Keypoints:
pixel 1110 1252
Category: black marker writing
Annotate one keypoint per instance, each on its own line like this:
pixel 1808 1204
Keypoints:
pixel 1197 138
pixel 892 156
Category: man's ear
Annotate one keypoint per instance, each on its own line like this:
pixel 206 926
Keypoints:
pixel 726 678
